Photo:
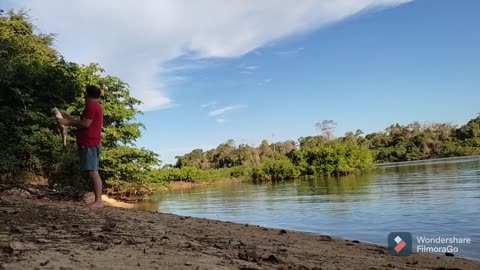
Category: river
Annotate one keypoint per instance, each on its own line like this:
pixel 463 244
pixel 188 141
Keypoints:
pixel 438 198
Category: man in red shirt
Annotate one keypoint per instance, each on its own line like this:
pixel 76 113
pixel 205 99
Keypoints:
pixel 89 130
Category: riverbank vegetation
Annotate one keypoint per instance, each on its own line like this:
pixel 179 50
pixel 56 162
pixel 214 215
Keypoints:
pixel 35 77
pixel 315 156
pixel 326 155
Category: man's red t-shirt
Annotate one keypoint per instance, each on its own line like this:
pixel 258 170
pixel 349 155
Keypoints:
pixel 91 136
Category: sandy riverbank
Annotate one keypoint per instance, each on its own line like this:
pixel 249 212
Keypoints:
pixel 42 234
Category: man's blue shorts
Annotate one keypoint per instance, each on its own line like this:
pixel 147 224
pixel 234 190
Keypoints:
pixel 90 157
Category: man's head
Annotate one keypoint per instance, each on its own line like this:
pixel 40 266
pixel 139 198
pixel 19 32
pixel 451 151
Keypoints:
pixel 93 92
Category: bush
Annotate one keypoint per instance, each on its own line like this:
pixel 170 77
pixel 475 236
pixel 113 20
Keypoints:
pixel 65 172
pixel 193 174
pixel 333 158
pixel 274 170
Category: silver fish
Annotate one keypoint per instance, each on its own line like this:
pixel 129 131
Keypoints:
pixel 63 129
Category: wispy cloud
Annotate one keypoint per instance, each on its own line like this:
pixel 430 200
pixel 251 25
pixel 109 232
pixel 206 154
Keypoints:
pixel 247 69
pixel 224 110
pixel 208 104
pixel 220 120
pixel 136 41
pixel 182 65
pixel 265 81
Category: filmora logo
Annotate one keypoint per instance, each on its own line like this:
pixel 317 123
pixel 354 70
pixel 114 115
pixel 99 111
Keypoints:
pixel 400 243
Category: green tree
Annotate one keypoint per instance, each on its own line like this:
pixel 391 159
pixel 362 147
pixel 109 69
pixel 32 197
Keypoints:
pixel 34 78
pixel 327 127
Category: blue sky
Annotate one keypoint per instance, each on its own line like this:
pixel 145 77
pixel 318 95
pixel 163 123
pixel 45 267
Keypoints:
pixel 367 68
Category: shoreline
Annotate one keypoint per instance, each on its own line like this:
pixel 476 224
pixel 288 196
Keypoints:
pixel 181 185
pixel 46 234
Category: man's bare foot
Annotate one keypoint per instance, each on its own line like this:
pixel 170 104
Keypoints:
pixel 95 205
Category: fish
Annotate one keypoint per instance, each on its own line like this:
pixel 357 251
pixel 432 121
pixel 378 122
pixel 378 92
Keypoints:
pixel 63 129
pixel 103 88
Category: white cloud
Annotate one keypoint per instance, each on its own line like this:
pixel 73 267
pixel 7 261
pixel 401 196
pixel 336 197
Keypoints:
pixel 265 81
pixel 134 40
pixel 220 120
pixel 224 110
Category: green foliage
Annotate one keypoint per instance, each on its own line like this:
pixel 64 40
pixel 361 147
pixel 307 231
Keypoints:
pixel 193 174
pixel 65 173
pixel 338 157
pixel 274 170
pixel 192 159
pixel 127 163
pixel 353 153
pixel 280 161
pixel 34 77
pixel 416 141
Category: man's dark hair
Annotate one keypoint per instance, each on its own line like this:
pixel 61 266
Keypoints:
pixel 93 91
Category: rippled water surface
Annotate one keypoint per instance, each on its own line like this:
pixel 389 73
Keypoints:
pixel 432 198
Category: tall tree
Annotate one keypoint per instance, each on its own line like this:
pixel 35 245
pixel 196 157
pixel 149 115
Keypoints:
pixel 327 127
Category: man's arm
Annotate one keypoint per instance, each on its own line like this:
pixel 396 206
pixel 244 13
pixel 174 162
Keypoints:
pixel 85 120
pixel 67 116
pixel 82 123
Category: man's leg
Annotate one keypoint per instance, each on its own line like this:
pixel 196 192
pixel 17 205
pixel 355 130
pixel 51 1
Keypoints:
pixel 97 188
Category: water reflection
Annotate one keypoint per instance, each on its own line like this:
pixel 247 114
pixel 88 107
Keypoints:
pixel 439 198
pixel 340 186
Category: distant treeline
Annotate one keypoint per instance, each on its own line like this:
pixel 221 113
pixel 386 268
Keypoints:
pixel 326 155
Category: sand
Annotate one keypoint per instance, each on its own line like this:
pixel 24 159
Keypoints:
pixel 43 234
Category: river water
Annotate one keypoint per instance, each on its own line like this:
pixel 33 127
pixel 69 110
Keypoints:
pixel 439 198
